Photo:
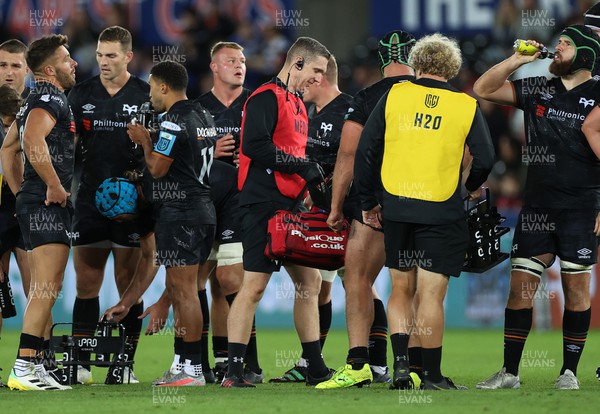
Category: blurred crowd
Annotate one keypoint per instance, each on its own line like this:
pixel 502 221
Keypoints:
pixel 265 45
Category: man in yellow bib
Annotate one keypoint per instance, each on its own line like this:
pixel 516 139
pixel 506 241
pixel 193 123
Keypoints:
pixel 414 142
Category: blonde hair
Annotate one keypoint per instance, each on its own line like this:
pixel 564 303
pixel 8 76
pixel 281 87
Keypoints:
pixel 436 55
pixel 225 45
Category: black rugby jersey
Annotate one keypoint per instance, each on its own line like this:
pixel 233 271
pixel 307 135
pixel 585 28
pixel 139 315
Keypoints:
pixel 563 171
pixel 324 131
pixel 366 99
pixel 223 185
pixel 186 136
pixel 228 120
pixel 60 141
pixel 101 122
pixel 360 109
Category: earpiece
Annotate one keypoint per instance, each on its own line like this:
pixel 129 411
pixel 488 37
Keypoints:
pixel 300 64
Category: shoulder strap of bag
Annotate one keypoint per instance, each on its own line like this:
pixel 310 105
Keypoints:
pixel 296 203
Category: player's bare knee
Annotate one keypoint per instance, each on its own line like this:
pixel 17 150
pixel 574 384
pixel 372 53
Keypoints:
pixel 180 296
pixel 576 287
pixel 577 302
pixel 251 292
pixel 122 281
pixel 307 291
pixel 170 286
pixel 577 299
pixel 48 290
pixel 230 278
pixel 519 299
pixel 125 271
pixel 88 288
pixel 354 281
pixel 420 295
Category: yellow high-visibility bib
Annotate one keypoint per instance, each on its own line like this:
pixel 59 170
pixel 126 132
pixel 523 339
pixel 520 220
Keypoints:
pixel 425 135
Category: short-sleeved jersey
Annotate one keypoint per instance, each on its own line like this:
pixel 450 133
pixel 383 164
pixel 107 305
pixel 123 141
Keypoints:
pixel 101 123
pixel 60 141
pixel 366 99
pixel 325 130
pixel 228 120
pixel 361 107
pixel 563 171
pixel 186 136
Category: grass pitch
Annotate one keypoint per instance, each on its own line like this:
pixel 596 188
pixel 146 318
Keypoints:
pixel 469 357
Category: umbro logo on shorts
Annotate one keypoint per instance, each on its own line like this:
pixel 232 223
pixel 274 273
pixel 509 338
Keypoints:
pixel 134 237
pixel 227 233
pixel 584 253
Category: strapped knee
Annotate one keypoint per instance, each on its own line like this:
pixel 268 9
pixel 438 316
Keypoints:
pixel 328 275
pixel 574 268
pixel 230 254
pixel 532 265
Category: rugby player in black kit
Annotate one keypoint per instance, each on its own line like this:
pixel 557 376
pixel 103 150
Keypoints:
pixel 559 216
pixel 46 130
pixel 13 71
pixel 592 20
pixel 180 162
pixel 225 102
pixel 102 106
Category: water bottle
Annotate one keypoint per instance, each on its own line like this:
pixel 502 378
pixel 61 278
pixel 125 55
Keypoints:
pixel 103 329
pixel 522 47
pixel 7 302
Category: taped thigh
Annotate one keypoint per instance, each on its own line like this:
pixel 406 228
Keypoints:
pixel 230 254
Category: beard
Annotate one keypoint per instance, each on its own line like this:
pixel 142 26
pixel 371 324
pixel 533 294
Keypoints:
pixel 158 106
pixel 560 68
pixel 65 79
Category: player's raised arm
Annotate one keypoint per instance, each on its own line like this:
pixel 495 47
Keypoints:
pixel 494 85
